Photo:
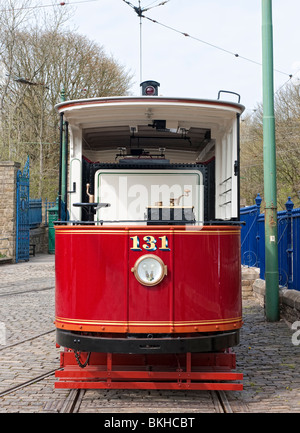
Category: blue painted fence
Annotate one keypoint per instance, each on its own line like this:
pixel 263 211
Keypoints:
pixel 35 212
pixel 253 242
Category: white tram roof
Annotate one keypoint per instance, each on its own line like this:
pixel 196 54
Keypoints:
pixel 111 122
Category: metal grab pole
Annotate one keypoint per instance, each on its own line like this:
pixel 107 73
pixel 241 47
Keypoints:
pixel 270 188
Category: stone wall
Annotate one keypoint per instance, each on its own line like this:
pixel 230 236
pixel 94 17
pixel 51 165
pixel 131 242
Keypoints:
pixel 249 275
pixel 8 175
pixel 289 300
pixel 39 238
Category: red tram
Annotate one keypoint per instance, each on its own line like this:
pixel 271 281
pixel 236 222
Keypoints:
pixel 147 254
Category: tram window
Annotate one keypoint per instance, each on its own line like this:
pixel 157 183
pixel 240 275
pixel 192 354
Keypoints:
pixel 133 192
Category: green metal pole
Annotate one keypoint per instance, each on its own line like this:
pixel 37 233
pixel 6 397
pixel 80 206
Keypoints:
pixel 270 188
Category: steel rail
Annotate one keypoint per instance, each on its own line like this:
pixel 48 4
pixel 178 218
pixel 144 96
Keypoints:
pixel 25 291
pixel 28 382
pixel 73 401
pixel 75 397
pixel 225 405
pixel 27 339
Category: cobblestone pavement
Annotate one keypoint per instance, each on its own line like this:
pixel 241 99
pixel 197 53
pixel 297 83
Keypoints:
pixel 266 355
pixel 270 363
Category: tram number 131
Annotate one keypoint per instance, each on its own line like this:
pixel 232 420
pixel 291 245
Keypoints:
pixel 151 243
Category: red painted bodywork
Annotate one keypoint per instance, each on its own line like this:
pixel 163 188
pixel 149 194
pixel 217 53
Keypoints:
pixel 96 291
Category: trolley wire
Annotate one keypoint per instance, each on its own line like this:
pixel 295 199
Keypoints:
pixel 140 12
pixel 62 3
pixel 210 44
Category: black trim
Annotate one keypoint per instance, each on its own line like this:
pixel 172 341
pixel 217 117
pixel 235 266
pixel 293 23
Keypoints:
pixel 141 345
pixel 207 169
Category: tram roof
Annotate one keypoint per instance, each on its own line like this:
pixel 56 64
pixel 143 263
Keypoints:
pixel 106 122
pixel 125 101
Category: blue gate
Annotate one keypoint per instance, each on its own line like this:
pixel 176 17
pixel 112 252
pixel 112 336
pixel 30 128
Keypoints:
pixel 253 242
pixel 22 205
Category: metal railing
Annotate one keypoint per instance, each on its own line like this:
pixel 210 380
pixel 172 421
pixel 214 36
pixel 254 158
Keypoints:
pixel 38 211
pixel 35 212
pixel 253 242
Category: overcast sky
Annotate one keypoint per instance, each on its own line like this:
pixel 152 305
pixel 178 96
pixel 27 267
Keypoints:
pixel 188 67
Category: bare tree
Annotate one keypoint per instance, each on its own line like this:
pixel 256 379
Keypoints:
pixel 39 64
pixel 287 117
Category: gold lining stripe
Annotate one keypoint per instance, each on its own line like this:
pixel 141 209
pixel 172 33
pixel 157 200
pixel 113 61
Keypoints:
pixel 136 323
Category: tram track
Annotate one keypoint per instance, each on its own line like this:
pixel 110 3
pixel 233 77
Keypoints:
pixel 218 402
pixel 74 399
pixel 119 401
pixel 27 339
pixel 22 292
pixel 28 383
pixel 78 400
pixel 222 397
pixel 10 349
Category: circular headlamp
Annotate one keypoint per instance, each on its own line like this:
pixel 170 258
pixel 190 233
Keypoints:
pixel 149 270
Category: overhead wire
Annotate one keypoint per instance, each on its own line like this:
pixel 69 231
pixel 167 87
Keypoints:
pixel 155 1
pixel 290 78
pixel 139 12
pixel 211 45
pixel 283 85
pixel 62 3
